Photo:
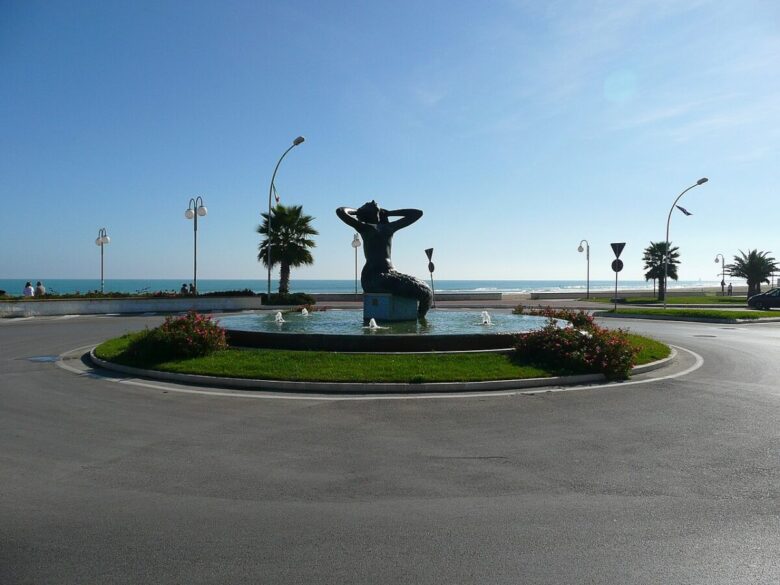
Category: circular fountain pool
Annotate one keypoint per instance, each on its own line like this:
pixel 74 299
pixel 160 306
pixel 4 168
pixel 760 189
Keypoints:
pixel 343 330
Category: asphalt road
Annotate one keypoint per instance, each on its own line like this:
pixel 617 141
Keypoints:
pixel 675 480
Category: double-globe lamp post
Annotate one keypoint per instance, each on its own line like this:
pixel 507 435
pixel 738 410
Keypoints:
pixel 586 249
pixel 295 143
pixel 722 273
pixel 101 241
pixel 669 219
pixel 196 209
pixel 356 244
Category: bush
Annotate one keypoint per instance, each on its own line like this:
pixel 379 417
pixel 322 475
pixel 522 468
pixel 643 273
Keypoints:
pixel 579 319
pixel 230 293
pixel 193 335
pixel 288 299
pixel 588 350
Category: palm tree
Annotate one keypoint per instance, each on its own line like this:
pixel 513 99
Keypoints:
pixel 654 264
pixel 290 241
pixel 755 267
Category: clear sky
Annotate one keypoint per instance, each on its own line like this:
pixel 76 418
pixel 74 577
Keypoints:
pixel 519 128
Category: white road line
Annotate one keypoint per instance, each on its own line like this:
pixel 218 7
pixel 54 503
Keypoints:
pixel 255 394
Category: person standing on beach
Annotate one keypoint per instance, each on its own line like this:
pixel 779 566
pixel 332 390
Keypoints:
pixel 40 290
pixel 729 289
pixel 28 290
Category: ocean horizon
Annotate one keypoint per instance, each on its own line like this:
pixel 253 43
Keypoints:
pixel 65 286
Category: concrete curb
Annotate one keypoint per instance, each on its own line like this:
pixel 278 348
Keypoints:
pixel 367 388
pixel 690 319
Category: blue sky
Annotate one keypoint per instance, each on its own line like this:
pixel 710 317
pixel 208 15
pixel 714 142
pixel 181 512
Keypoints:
pixel 518 127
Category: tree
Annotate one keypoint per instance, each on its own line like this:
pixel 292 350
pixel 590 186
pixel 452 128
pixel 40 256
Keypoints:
pixel 654 264
pixel 755 267
pixel 290 241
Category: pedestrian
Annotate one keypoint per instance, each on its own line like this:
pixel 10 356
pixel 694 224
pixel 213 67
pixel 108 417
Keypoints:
pixel 183 290
pixel 730 289
pixel 28 290
pixel 40 290
pixel 192 289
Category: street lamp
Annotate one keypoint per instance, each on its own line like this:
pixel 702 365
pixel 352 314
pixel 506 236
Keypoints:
pixel 722 273
pixel 195 209
pixel 668 219
pixel 356 244
pixel 101 241
pixel 271 190
pixel 586 249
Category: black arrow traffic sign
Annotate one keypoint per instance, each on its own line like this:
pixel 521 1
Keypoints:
pixel 617 248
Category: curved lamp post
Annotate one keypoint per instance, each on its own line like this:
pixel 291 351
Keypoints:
pixel 668 219
pixel 586 249
pixel 722 273
pixel 101 241
pixel 195 209
pixel 271 190
pixel 356 244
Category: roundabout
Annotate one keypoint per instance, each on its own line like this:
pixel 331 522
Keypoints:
pixel 670 477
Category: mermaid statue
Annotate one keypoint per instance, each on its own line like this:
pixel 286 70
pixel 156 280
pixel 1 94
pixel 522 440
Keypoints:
pixel 378 274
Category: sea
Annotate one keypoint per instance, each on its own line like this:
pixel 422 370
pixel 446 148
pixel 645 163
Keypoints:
pixel 140 286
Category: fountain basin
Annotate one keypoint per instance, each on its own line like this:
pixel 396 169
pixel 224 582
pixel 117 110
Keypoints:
pixel 343 331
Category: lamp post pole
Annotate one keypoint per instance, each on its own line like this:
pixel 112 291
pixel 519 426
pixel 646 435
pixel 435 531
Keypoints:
pixel 669 219
pixel 722 273
pixel 587 258
pixel 295 143
pixel 356 244
pixel 101 241
pixel 195 209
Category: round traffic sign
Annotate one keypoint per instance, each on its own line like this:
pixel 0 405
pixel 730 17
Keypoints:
pixel 617 265
pixel 430 267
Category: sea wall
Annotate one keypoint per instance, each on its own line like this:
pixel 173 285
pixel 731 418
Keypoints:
pixel 54 307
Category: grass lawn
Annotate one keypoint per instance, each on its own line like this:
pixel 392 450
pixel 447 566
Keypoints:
pixel 700 300
pixel 700 313
pixel 319 366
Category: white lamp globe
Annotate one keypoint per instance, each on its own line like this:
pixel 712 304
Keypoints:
pixel 98 241
pixel 106 240
pixel 580 248
pixel 202 210
pixel 189 214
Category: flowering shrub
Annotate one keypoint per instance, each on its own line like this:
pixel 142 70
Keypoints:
pixel 579 319
pixel 193 335
pixel 588 350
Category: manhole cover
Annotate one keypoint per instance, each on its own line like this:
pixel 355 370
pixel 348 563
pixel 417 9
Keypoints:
pixel 43 358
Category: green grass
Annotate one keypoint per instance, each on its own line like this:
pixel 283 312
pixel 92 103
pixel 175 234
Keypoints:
pixel 311 366
pixel 698 300
pixel 650 350
pixel 699 313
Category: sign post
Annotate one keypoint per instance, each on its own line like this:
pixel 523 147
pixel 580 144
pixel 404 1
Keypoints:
pixel 429 253
pixel 617 266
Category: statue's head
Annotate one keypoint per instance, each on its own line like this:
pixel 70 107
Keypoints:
pixel 368 212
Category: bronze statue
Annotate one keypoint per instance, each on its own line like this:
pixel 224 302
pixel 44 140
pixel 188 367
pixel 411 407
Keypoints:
pixel 378 275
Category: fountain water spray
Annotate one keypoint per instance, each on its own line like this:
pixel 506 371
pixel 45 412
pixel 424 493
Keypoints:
pixel 372 324
pixel 486 318
pixel 278 318
pixel 304 312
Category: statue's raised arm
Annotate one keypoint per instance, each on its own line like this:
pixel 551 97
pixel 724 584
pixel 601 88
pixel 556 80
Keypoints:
pixel 408 217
